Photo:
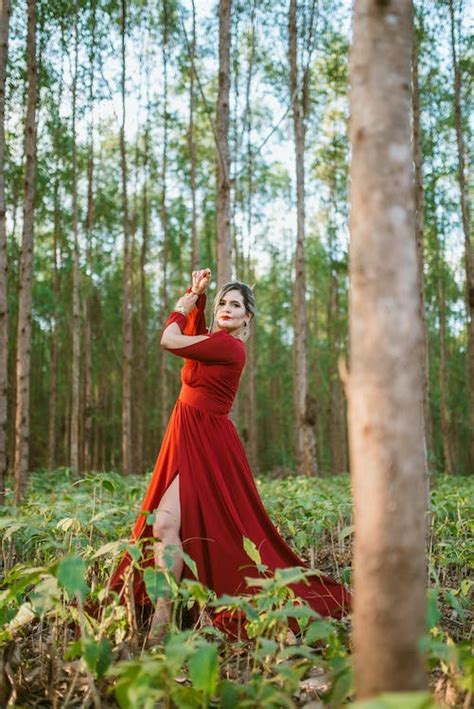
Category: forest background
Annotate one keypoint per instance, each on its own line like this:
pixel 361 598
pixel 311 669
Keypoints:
pixel 125 207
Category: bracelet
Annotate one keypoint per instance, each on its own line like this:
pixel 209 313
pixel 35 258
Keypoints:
pixel 181 309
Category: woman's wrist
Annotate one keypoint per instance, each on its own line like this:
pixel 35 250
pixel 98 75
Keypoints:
pixel 181 309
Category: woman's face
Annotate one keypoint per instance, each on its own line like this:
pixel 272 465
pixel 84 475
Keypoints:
pixel 230 312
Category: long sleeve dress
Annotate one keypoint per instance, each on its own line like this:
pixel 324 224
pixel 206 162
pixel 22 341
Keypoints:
pixel 220 503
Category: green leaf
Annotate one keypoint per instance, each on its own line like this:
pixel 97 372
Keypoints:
pixel 319 630
pixel 98 655
pixel 252 550
pixel 135 552
pixel 156 583
pixel 204 668
pixel 454 603
pixel 432 611
pixel 399 700
pixel 70 574
pixel 108 485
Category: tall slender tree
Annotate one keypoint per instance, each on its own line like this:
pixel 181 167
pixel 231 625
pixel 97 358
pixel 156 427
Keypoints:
pixel 89 224
pixel 468 240
pixel 224 244
pixel 4 29
pixel 385 387
pixel 305 423
pixel 76 277
pixel 195 258
pixel 127 313
pixel 56 284
pixel 420 250
pixel 164 215
pixel 23 356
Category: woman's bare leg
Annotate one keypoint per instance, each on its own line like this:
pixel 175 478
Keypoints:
pixel 166 531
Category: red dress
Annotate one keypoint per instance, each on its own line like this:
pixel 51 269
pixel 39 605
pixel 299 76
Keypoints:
pixel 220 503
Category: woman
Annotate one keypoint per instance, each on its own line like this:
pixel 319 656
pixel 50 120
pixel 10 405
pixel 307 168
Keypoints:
pixel 202 488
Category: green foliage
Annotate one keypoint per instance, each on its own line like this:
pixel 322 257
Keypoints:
pixel 199 667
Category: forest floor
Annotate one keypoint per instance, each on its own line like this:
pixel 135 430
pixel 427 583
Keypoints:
pixel 61 544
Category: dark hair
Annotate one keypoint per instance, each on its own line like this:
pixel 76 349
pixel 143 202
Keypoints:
pixel 247 296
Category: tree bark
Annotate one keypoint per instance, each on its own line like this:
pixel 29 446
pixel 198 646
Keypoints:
pixel 4 28
pixel 420 250
pixel 53 368
pixel 195 257
pixel 305 419
pixel 468 242
pixel 445 414
pixel 127 311
pixel 76 285
pixel 164 223
pixel 23 357
pixel 87 456
pixel 384 386
pixel 224 244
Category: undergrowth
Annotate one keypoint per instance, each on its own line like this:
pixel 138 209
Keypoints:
pixel 60 546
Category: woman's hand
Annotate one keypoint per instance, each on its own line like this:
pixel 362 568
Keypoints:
pixel 201 280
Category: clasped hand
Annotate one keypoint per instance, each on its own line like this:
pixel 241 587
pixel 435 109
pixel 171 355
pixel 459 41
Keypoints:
pixel 201 280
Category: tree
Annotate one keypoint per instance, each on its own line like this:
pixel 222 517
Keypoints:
pixel 127 313
pixel 468 244
pixel 384 386
pixel 420 251
pixel 305 420
pixel 76 278
pixel 23 357
pixel 4 27
pixel 224 244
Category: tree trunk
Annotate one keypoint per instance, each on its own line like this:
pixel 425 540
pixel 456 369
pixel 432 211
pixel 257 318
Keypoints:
pixel 305 419
pixel 164 224
pixel 142 339
pixel 445 415
pixel 420 250
pixel 224 244
pixel 4 27
pixel 53 368
pixel 336 412
pixel 384 386
pixel 76 276
pixel 127 312
pixel 88 392
pixel 23 356
pixel 468 243
pixel 195 251
pixel 89 223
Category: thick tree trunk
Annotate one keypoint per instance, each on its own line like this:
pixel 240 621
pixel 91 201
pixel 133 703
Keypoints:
pixel 4 27
pixel 385 386
pixel 23 356
pixel 224 244
pixel 76 286
pixel 127 311
pixel 305 419
pixel 420 250
pixel 468 242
